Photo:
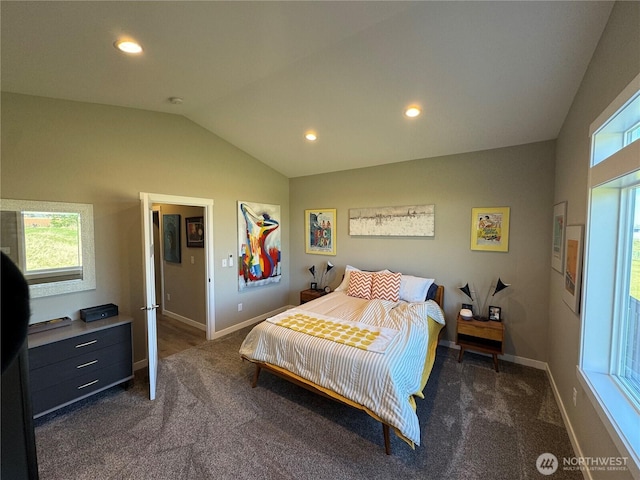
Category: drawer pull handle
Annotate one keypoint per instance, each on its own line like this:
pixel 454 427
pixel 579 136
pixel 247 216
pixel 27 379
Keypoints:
pixel 87 364
pixel 85 344
pixel 87 384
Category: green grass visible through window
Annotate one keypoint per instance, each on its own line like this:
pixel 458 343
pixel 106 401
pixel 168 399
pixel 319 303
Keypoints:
pixel 52 244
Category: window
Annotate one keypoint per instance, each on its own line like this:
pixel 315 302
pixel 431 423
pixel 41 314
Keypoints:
pixel 627 368
pixel 609 366
pixel 52 246
pixel 51 243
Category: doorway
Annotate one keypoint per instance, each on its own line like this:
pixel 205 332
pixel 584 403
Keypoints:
pixel 180 288
pixel 150 298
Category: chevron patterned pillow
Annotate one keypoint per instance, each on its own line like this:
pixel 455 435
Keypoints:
pixel 386 286
pixel 360 284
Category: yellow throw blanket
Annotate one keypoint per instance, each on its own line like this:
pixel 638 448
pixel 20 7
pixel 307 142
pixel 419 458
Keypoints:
pixel 354 334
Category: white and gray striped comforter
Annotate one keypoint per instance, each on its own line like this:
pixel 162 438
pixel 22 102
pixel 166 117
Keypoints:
pixel 382 382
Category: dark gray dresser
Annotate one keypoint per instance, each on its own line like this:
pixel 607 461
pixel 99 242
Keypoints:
pixel 70 363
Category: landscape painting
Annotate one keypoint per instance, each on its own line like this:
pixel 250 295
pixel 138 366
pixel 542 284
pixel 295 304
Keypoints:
pixel 405 221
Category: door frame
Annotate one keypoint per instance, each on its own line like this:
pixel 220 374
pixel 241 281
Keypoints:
pixel 207 204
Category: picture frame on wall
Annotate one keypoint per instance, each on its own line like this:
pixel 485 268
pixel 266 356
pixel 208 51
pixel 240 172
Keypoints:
pixel 490 229
pixel 495 313
pixel 259 244
pixel 171 238
pixel 557 244
pixel 195 232
pixel 573 266
pixel 320 231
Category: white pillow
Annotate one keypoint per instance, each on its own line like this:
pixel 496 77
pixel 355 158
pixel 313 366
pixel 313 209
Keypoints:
pixel 344 285
pixel 414 289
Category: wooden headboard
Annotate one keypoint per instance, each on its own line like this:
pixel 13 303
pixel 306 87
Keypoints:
pixel 439 296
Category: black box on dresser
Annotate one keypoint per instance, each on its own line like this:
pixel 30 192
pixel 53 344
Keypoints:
pixel 99 312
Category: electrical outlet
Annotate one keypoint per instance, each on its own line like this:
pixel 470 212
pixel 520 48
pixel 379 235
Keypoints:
pixel 575 396
pixel 224 263
pixel 239 307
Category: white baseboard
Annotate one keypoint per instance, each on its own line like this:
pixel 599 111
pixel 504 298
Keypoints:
pixel 188 321
pixel 249 322
pixel 252 321
pixel 140 364
pixel 506 357
pixel 586 473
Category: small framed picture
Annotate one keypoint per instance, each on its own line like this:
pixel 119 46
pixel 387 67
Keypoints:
pixel 495 314
pixel 467 306
pixel 314 286
pixel 195 232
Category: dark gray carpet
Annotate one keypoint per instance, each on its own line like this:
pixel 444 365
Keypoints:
pixel 208 423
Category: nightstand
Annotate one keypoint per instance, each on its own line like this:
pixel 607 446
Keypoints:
pixel 309 294
pixel 485 337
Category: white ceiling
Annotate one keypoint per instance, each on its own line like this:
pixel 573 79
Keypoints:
pixel 259 74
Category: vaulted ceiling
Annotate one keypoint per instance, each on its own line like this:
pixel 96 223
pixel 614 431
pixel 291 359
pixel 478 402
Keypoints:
pixel 261 74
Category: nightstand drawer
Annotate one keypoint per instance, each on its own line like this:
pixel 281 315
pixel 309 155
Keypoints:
pixel 485 331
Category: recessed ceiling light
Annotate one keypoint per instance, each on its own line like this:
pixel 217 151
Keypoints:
pixel 128 46
pixel 412 111
pixel 311 136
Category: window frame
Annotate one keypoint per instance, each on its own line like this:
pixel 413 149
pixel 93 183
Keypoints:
pixel 64 284
pixel 603 302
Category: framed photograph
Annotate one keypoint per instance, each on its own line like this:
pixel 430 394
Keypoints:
pixel 195 232
pixel 320 231
pixel 495 313
pixel 573 266
pixel 171 238
pixel 490 229
pixel 314 286
pixel 557 244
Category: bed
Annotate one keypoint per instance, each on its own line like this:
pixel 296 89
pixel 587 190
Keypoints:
pixel 370 348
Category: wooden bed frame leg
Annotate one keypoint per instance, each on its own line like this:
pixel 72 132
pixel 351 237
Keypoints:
pixel 387 440
pixel 256 374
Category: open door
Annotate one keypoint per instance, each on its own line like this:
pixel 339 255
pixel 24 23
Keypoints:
pixel 150 305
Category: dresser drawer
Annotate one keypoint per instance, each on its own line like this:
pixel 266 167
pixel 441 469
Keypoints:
pixel 76 388
pixel 86 363
pixel 72 347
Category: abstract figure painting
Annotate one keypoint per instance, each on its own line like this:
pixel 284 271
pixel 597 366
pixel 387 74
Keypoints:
pixel 259 255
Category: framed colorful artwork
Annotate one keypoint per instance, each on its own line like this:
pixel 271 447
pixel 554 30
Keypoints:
pixel 573 267
pixel 320 231
pixel 259 244
pixel 171 238
pixel 195 232
pixel 557 244
pixel 490 229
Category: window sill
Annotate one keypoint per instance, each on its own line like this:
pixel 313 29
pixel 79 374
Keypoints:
pixel 618 415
